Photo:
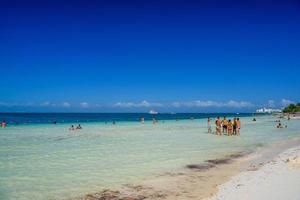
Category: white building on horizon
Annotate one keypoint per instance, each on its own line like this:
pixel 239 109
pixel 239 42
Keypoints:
pixel 268 110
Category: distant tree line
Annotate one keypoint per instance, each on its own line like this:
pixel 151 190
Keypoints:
pixel 292 108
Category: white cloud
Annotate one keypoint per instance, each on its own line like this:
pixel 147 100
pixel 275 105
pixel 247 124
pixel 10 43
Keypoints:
pixel 13 104
pixel 45 104
pixel 66 105
pixel 238 104
pixel 199 103
pixel 124 104
pixel 147 104
pixel 286 102
pixel 144 104
pixel 84 105
pixel 155 105
pixel 176 104
pixel 209 103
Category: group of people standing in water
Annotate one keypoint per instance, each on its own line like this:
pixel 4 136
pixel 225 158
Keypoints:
pixel 280 125
pixel 225 126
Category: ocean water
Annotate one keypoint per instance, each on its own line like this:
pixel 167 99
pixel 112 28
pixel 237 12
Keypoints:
pixel 42 160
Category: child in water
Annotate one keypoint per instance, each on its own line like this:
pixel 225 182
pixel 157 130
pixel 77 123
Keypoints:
pixel 79 127
pixel 279 125
pixel 208 125
pixel 72 128
pixel 238 126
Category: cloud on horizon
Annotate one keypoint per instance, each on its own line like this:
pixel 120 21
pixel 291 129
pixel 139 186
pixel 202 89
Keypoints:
pixel 144 104
pixel 84 105
pixel 66 105
pixel 201 104
pixel 14 104
pixel 286 102
pixel 271 104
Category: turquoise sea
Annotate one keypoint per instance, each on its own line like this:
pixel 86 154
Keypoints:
pixel 43 160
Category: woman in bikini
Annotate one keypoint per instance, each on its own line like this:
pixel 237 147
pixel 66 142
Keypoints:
pixel 218 126
pixel 229 127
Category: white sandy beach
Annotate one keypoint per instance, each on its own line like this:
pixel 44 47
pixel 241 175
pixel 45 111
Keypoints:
pixel 278 179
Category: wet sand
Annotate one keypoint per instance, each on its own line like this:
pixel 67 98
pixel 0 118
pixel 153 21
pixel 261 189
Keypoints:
pixel 196 181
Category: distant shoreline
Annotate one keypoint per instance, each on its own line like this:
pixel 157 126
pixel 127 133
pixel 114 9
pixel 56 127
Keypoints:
pixel 62 118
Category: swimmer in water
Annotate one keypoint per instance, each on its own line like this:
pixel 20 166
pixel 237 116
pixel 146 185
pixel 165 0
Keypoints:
pixel 72 128
pixel 3 124
pixel 279 125
pixel 79 127
pixel 208 125
pixel 238 126
pixel 154 121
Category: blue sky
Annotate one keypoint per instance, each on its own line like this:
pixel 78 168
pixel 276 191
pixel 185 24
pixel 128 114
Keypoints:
pixel 130 56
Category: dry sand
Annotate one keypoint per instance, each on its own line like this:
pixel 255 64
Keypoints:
pixel 277 179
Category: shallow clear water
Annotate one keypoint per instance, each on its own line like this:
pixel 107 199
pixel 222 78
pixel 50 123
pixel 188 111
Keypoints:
pixel 46 161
